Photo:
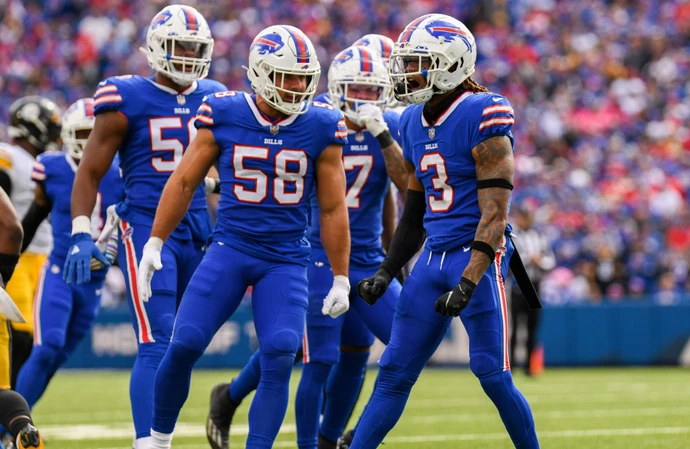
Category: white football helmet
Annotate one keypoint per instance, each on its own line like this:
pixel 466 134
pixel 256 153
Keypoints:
pixel 360 66
pixel 444 53
pixel 278 51
pixel 78 117
pixel 179 26
pixel 377 42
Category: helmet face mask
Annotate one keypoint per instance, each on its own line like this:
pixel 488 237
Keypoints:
pixel 284 69
pixel 179 44
pixel 445 53
pixel 77 124
pixel 358 76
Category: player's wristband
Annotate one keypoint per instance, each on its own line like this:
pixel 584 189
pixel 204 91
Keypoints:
pixel 484 248
pixel 81 225
pixel 385 139
pixel 155 243
pixel 342 282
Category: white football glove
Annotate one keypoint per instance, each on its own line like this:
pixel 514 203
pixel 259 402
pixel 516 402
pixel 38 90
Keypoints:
pixel 112 221
pixel 371 117
pixel 337 301
pixel 210 185
pixel 149 264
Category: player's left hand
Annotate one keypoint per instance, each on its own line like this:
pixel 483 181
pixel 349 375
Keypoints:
pixel 452 303
pixel 150 263
pixel 112 221
pixel 371 117
pixel 337 301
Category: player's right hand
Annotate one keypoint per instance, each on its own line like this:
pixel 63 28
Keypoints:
pixel 372 288
pixel 337 301
pixel 149 264
pixel 78 264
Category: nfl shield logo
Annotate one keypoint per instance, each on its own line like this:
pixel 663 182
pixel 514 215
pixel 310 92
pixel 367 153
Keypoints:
pixel 359 137
pixel 432 133
pixel 181 99
pixel 274 129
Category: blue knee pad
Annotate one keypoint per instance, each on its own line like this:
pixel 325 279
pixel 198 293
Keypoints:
pixel 283 342
pixel 395 381
pixel 483 365
pixel 46 355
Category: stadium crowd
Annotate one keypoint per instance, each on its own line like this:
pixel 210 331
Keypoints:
pixel 600 89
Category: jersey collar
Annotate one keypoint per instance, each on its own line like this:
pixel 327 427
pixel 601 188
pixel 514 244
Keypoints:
pixel 167 89
pixel 70 162
pixel 261 118
pixel 442 118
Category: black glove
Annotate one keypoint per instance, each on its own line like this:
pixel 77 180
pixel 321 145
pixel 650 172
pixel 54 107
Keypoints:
pixel 371 289
pixel 452 303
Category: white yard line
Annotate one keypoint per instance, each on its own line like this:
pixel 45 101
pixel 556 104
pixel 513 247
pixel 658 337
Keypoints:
pixel 496 436
pixel 186 429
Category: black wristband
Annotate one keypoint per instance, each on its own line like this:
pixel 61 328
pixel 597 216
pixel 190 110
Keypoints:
pixel 385 139
pixel 494 182
pixel 216 188
pixel 7 264
pixel 484 247
pixel 468 283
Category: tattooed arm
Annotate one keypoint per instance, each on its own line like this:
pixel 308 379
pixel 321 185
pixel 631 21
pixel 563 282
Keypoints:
pixel 395 166
pixel 494 159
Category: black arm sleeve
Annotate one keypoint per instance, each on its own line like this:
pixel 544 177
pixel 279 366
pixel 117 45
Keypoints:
pixel 409 235
pixel 5 182
pixel 32 220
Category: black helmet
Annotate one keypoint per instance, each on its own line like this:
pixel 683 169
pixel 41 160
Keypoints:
pixel 36 119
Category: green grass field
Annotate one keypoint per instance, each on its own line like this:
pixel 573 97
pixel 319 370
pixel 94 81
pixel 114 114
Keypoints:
pixel 582 408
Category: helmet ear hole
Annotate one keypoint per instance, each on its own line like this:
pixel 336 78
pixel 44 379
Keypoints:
pixel 453 68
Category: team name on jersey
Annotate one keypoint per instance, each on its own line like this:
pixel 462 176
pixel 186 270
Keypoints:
pixel 273 141
pixel 181 110
pixel 431 146
pixel 359 147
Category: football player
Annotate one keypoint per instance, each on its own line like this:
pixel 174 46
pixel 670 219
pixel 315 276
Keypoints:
pixel 359 87
pixel 271 148
pixel 14 411
pixel 63 314
pixel 458 148
pixel 150 122
pixel 34 128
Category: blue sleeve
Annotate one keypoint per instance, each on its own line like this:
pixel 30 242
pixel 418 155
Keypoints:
pixel 207 115
pixel 335 127
pixel 402 136
pixel 493 116
pixel 109 95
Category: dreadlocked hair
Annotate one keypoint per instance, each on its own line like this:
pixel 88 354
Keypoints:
pixel 471 85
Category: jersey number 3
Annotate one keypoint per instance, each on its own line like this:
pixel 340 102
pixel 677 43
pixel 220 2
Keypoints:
pixel 439 182
pixel 284 176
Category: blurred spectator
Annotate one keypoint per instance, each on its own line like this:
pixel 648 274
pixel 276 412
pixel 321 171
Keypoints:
pixel 600 89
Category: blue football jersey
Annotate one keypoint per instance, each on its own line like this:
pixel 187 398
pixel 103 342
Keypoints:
pixel 55 172
pixel 161 126
pixel 442 155
pixel 267 172
pixel 367 185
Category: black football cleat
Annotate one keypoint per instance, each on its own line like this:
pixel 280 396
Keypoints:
pixel 219 417
pixel 29 438
pixel 345 440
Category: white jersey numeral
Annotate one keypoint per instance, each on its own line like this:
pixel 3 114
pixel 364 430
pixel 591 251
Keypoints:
pixel 286 173
pixel 366 162
pixel 439 182
pixel 160 144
